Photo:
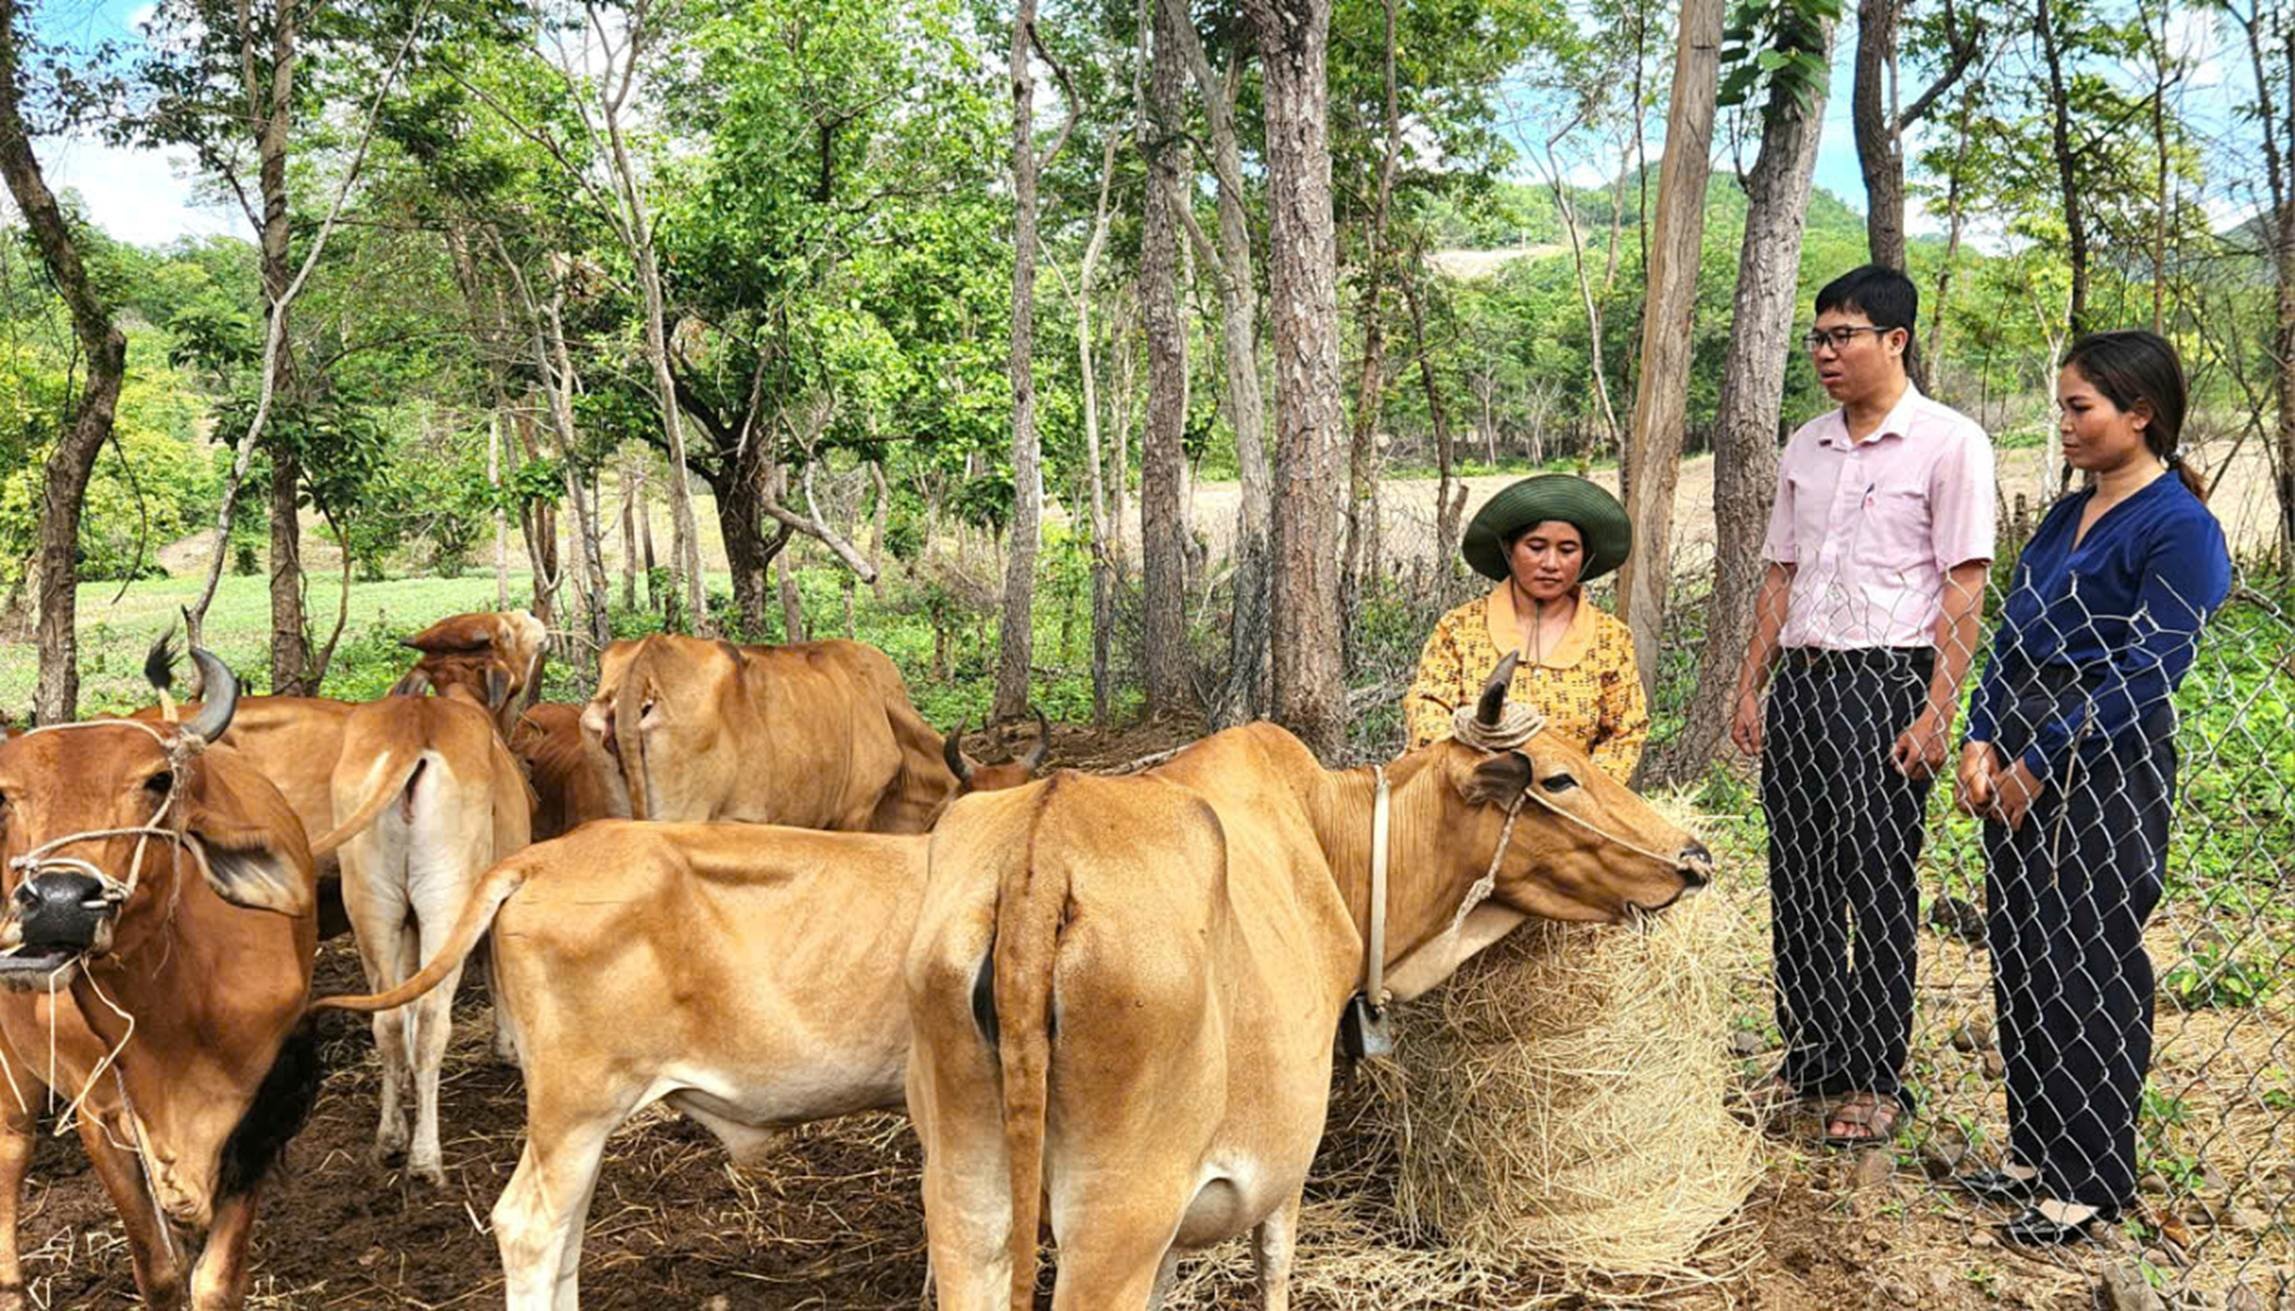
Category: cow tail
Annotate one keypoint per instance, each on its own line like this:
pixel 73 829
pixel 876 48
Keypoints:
pixel 477 916
pixel 395 779
pixel 1030 907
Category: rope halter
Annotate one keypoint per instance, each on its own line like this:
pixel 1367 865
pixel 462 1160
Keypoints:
pixel 42 859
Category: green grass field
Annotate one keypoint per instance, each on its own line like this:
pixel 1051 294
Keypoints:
pixel 114 635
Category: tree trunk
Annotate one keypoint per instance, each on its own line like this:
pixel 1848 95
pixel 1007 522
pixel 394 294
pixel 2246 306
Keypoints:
pixel 291 672
pixel 2067 172
pixel 1956 222
pixel 1593 308
pixel 792 604
pixel 629 539
pixel 1016 638
pixel 1449 492
pixel 1095 478
pixel 638 236
pixel 1652 464
pixel 1303 313
pixel 1163 456
pixel 740 517
pixel 537 523
pixel 501 519
pixel 64 482
pixel 879 515
pixel 1243 698
pixel 1878 151
pixel 1745 429
pixel 2279 174
pixel 1370 388
pixel 558 382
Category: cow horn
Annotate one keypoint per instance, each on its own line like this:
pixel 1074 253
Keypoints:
pixel 1493 701
pixel 219 698
pixel 952 751
pixel 1043 745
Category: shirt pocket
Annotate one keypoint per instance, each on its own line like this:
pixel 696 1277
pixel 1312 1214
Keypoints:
pixel 1893 529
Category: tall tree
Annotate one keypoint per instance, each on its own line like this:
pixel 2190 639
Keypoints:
pixel 1303 313
pixel 1881 132
pixel 1016 634
pixel 2270 37
pixel 1652 465
pixel 64 481
pixel 1163 456
pixel 633 221
pixel 1782 48
pixel 1370 388
pixel 1244 696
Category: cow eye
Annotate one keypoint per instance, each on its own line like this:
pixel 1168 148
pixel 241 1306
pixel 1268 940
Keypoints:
pixel 160 784
pixel 1558 783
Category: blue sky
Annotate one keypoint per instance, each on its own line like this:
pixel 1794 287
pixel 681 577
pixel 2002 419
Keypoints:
pixel 147 198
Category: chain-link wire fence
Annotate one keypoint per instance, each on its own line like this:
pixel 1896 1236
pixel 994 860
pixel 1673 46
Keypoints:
pixel 2101 995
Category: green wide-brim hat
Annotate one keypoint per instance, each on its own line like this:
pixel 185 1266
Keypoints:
pixel 1596 514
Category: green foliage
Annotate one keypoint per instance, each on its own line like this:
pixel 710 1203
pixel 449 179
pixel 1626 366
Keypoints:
pixel 1777 47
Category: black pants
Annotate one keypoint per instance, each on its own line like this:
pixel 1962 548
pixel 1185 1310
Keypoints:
pixel 1845 830
pixel 2068 896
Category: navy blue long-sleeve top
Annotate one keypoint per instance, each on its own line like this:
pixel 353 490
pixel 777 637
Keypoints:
pixel 2123 607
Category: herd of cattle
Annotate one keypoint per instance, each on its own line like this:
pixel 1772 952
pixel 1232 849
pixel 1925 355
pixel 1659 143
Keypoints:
pixel 753 883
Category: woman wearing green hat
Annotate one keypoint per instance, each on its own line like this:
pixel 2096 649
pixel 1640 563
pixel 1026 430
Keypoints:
pixel 1542 538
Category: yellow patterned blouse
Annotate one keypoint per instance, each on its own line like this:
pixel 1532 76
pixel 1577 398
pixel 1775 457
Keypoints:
pixel 1589 688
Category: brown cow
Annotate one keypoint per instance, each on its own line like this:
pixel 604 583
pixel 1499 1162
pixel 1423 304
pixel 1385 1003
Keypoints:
pixel 157 887
pixel 972 776
pixel 495 656
pixel 762 966
pixel 569 788
pixel 427 799
pixel 1124 990
pixel 813 735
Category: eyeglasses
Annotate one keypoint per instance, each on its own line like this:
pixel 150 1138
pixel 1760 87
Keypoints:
pixel 1838 338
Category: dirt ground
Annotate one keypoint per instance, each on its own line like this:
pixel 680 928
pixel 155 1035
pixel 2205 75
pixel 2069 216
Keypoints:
pixel 831 1220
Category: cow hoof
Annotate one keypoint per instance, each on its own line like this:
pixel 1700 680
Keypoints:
pixel 389 1155
pixel 428 1173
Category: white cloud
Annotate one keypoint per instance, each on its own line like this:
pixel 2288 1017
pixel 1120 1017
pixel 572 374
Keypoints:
pixel 146 197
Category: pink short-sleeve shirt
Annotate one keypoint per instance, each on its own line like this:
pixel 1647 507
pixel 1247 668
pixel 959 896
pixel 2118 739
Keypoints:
pixel 1871 527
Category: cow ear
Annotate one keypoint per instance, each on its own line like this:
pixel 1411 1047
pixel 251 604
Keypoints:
pixel 256 853
pixel 259 878
pixel 456 633
pixel 497 687
pixel 1498 780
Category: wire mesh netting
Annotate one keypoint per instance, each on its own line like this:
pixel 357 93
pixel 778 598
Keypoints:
pixel 2097 998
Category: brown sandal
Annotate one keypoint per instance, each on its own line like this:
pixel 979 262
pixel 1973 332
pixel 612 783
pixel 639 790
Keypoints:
pixel 1878 1115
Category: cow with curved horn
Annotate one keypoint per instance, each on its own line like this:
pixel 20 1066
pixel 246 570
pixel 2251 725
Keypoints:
pixel 971 776
pixel 1124 990
pixel 157 887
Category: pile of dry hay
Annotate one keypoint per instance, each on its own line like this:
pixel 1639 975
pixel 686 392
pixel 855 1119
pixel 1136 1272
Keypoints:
pixel 1556 1130
pixel 1564 1099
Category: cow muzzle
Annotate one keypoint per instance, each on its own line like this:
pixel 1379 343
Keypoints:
pixel 1696 865
pixel 54 919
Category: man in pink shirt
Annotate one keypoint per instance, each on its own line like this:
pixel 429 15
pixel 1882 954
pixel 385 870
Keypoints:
pixel 1878 549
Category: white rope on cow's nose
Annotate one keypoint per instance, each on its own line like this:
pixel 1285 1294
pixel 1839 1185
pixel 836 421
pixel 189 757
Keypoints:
pixel 32 864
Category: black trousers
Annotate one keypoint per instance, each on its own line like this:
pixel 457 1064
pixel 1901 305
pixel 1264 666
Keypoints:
pixel 2068 894
pixel 1845 831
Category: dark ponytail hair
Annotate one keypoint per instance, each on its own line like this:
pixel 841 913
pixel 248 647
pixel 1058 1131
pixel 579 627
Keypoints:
pixel 2135 368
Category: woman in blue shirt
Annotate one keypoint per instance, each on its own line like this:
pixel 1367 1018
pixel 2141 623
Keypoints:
pixel 2071 762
